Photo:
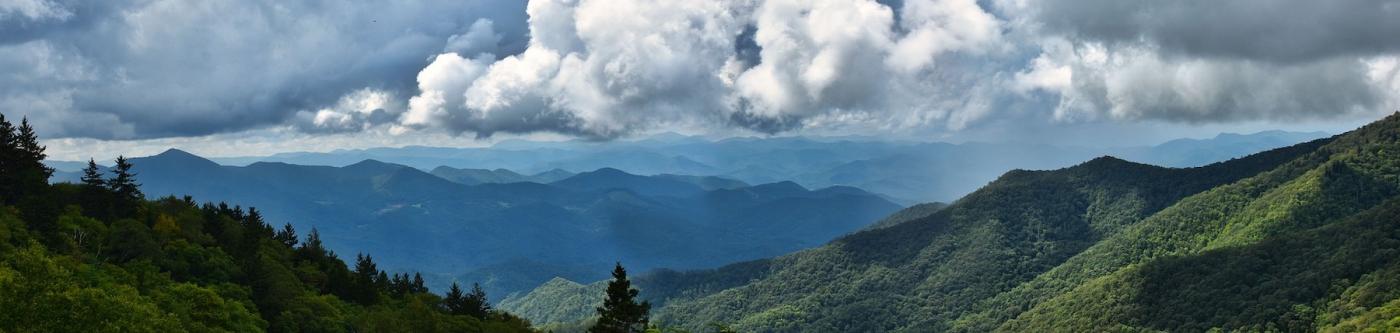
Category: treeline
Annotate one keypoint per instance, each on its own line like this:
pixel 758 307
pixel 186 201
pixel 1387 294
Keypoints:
pixel 97 257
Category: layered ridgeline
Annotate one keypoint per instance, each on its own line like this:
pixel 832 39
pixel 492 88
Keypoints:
pixel 1300 238
pixel 98 257
pixel 516 235
pixel 909 171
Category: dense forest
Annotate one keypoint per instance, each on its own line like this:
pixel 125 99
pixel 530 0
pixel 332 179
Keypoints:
pixel 99 257
pixel 1302 238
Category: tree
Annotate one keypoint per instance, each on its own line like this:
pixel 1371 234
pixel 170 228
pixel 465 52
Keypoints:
pixel 9 160
pixel 418 286
pixel 22 169
pixel 476 304
pixel 32 153
pixel 365 282
pixel 467 304
pixel 123 181
pixel 455 301
pixel 92 175
pixel 287 235
pixel 620 312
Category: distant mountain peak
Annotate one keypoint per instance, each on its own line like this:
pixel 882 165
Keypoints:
pixel 610 171
pixel 786 185
pixel 181 157
pixel 371 163
pixel 175 152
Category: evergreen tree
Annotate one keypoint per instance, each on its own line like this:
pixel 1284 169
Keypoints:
pixel 32 153
pixel 287 235
pixel 123 181
pixel 476 304
pixel 312 249
pixel 620 312
pixel 9 160
pixel 22 169
pixel 418 286
pixel 455 301
pixel 365 280
pixel 92 175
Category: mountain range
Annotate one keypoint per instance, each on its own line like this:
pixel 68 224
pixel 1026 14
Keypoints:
pixel 1301 238
pixel 512 234
pixel 905 171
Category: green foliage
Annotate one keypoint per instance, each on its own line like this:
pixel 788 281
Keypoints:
pixel 98 257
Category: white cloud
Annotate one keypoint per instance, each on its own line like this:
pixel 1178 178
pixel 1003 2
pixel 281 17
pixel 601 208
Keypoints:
pixel 480 38
pixel 356 111
pixel 604 69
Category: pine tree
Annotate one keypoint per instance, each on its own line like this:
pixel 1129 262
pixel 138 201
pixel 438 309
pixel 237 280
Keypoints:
pixel 312 249
pixel 476 304
pixel 455 301
pixel 287 235
pixel 9 161
pixel 123 181
pixel 92 175
pixel 22 169
pixel 418 286
pixel 32 153
pixel 365 280
pixel 620 312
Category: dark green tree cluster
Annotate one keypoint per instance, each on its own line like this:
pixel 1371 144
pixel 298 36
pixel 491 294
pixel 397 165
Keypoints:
pixel 97 257
pixel 22 171
pixel 467 304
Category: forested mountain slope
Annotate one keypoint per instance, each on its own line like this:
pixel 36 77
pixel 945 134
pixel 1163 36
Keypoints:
pixel 98 257
pixel 1296 238
pixel 514 236
pixel 1280 227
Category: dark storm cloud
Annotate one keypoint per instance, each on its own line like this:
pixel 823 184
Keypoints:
pixel 140 69
pixel 1265 30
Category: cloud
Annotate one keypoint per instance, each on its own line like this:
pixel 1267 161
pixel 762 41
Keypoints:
pixel 33 10
pixel 357 111
pixel 604 69
pixel 166 68
pixel 1282 31
pixel 1138 83
pixel 480 38
pixel 1210 61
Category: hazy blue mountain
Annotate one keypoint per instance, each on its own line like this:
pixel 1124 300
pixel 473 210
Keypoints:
pixel 514 236
pixel 67 166
pixel 1197 152
pixel 906 172
pixel 607 179
pixel 497 176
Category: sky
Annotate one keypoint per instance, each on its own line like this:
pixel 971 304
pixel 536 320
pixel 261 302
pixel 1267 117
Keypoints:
pixel 251 77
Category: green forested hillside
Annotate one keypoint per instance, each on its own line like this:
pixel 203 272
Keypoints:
pixel 1298 239
pixel 97 257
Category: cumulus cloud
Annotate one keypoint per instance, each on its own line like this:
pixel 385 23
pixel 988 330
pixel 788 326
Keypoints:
pixel 357 111
pixel 603 69
pixel 180 68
